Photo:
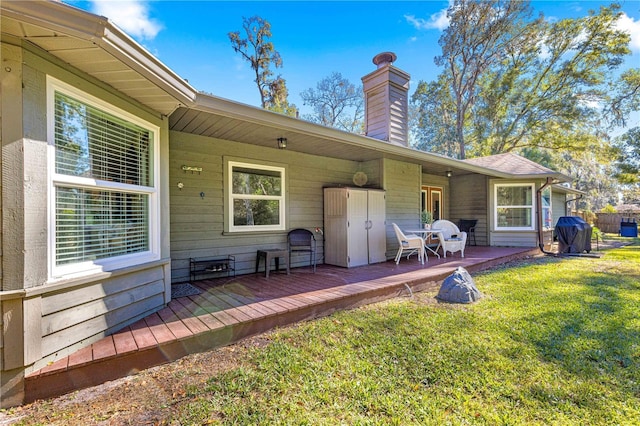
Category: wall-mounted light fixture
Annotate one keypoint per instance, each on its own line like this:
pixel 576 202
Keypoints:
pixel 282 143
pixel 448 173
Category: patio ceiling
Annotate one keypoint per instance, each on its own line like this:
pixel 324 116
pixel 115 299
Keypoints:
pixel 224 119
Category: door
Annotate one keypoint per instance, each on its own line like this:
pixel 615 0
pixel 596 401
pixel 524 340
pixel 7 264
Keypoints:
pixel 357 224
pixel 377 235
pixel 432 200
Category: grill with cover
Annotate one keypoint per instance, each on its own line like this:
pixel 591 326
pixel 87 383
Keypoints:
pixel 574 235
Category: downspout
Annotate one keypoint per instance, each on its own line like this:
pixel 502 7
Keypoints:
pixel 539 217
pixel 566 203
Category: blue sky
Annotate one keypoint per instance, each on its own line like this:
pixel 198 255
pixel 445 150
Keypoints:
pixel 313 38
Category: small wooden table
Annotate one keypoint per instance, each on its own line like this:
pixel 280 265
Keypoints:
pixel 269 254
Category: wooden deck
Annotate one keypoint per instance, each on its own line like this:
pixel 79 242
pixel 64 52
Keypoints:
pixel 230 309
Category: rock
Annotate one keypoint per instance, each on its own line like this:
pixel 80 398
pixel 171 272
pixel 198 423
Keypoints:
pixel 459 287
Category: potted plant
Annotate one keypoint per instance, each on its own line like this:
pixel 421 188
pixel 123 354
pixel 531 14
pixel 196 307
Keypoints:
pixel 426 219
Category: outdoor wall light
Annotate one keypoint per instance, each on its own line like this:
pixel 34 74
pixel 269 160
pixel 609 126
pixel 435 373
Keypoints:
pixel 448 173
pixel 282 143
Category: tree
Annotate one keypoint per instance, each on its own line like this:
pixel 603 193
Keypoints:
pixel 625 97
pixel 624 100
pixel 550 97
pixel 336 103
pixel 592 171
pixel 259 51
pixel 478 37
pixel 628 156
pixel 436 120
pixel 517 82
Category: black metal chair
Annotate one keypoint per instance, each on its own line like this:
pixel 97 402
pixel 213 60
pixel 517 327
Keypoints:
pixel 469 226
pixel 302 240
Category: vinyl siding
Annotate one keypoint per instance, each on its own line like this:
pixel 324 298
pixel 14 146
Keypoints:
pixel 198 222
pixel 558 206
pixel 402 182
pixel 514 239
pixel 53 318
pixel 74 318
pixel 469 200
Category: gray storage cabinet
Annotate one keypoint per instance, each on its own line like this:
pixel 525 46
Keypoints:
pixel 354 226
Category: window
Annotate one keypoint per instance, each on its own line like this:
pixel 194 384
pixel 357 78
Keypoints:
pixel 547 216
pixel 256 197
pixel 103 196
pixel 514 207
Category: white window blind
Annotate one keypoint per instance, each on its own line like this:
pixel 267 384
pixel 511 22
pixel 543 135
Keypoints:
pixel 103 184
pixel 94 225
pixel 92 143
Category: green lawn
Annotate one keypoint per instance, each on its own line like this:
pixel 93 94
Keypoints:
pixel 554 341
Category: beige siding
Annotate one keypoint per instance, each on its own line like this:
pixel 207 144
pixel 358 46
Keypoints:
pixel 514 239
pixel 402 183
pixel 377 106
pixel 398 131
pixel 468 200
pixel 46 319
pixel 558 206
pixel 197 222
pixel 88 313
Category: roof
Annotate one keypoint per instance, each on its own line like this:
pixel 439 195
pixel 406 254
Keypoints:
pixel 516 166
pixel 96 46
pixel 563 188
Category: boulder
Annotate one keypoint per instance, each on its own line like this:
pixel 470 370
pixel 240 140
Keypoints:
pixel 459 287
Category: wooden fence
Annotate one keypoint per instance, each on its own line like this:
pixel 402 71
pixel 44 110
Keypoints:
pixel 610 222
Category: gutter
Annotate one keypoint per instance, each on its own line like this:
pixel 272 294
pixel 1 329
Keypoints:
pixel 539 217
pixel 566 203
pixel 74 22
pixel 218 106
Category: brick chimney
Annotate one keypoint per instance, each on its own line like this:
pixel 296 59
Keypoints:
pixel 386 101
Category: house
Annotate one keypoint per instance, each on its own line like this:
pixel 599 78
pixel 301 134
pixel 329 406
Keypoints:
pixel 115 172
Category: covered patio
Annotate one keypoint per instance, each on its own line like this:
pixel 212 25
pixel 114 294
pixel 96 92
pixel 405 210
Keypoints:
pixel 229 309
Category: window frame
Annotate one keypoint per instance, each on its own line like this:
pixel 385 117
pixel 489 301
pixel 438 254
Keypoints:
pixel 231 197
pixel 55 180
pixel 547 211
pixel 532 207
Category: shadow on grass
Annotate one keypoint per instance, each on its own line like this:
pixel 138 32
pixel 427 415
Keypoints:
pixel 591 325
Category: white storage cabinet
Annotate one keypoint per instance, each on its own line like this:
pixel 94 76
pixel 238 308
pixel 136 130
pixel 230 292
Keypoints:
pixel 354 226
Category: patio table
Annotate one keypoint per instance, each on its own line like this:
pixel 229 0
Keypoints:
pixel 426 233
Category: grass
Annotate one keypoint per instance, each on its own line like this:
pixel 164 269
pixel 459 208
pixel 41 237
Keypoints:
pixel 553 342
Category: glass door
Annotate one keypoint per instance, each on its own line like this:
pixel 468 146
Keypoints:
pixel 431 198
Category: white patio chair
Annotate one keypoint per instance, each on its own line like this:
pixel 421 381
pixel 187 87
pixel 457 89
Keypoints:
pixel 409 243
pixel 450 237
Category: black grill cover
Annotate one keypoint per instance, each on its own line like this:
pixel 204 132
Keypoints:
pixel 574 235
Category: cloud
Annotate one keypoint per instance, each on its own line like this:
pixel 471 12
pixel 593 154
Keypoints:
pixel 130 15
pixel 629 25
pixel 437 21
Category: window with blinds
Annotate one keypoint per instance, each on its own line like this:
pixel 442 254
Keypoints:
pixel 103 188
pixel 99 224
